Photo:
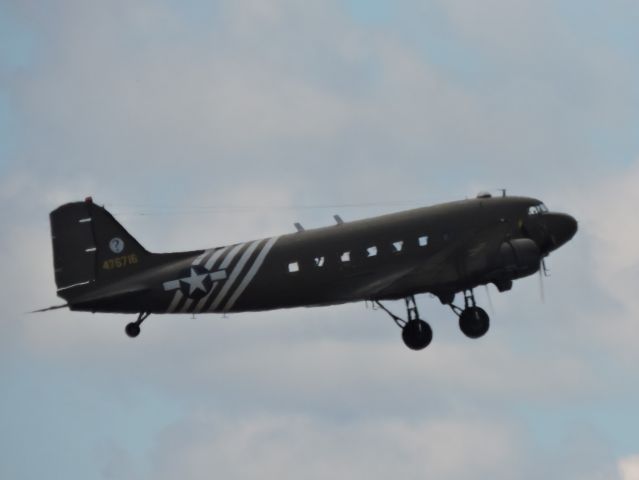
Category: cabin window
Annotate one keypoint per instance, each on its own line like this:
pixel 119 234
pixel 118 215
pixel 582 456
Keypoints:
pixel 398 246
pixel 319 261
pixel 293 267
pixel 423 240
pixel 346 257
pixel 371 252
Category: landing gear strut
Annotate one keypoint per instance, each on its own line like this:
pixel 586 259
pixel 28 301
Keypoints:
pixel 474 322
pixel 416 333
pixel 133 328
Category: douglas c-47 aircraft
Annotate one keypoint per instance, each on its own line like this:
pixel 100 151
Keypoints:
pixel 442 250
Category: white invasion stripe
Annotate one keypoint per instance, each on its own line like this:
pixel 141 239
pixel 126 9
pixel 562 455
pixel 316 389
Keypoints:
pixel 251 274
pixel 172 285
pixel 229 258
pixel 186 306
pixel 199 259
pixel 201 303
pixel 214 257
pixel 176 300
pixel 219 275
pixel 236 272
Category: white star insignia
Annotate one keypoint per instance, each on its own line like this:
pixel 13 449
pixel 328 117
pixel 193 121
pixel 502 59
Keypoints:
pixel 195 281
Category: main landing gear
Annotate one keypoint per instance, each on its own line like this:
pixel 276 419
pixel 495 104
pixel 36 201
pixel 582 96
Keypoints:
pixel 474 322
pixel 133 328
pixel 416 333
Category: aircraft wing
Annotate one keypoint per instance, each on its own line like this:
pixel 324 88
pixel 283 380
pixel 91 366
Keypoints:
pixel 439 268
pixel 442 268
pixel 375 286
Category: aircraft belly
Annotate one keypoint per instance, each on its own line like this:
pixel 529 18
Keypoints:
pixel 285 292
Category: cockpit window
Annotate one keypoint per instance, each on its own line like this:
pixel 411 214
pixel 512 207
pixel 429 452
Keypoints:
pixel 538 209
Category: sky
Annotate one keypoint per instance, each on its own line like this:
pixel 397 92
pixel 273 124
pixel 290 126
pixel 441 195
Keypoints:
pixel 206 123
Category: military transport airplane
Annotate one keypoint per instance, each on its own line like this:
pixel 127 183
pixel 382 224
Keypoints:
pixel 442 250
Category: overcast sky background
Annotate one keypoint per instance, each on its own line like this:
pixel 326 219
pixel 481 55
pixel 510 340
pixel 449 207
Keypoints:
pixel 171 113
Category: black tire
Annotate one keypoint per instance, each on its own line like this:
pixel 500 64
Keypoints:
pixel 132 329
pixel 474 322
pixel 417 334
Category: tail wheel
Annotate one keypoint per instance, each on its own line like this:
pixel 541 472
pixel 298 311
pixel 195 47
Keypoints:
pixel 417 334
pixel 132 329
pixel 474 322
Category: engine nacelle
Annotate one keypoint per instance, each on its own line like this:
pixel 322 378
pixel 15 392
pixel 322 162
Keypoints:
pixel 519 258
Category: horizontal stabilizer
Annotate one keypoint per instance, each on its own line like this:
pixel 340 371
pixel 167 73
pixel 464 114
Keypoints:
pixel 57 307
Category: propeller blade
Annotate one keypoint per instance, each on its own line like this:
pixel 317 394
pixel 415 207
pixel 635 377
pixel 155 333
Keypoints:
pixel 542 272
pixel 546 270
pixel 490 300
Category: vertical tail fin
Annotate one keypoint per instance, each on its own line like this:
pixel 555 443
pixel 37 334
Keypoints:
pixel 90 246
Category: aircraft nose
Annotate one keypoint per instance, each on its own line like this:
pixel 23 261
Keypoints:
pixel 561 228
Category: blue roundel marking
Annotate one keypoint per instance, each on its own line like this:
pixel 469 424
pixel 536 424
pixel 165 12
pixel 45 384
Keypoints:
pixel 116 245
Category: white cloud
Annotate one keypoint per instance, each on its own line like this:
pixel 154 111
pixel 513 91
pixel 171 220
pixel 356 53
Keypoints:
pixel 516 27
pixel 629 468
pixel 612 220
pixel 301 447
pixel 275 85
pixel 609 227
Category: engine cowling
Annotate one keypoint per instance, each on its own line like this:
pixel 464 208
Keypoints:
pixel 519 258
